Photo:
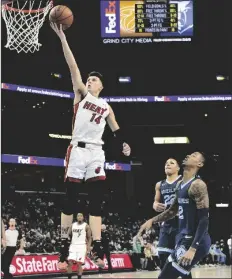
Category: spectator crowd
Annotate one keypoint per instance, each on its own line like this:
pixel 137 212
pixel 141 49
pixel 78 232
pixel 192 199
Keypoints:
pixel 38 219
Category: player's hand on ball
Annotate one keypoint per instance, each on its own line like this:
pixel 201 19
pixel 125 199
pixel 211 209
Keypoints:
pixel 159 207
pixel 187 257
pixel 126 149
pixel 59 30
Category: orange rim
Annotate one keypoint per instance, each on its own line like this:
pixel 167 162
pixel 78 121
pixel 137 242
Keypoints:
pixel 6 7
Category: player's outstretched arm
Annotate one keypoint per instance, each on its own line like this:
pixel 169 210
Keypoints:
pixel 167 214
pixel 162 217
pixel 157 206
pixel 199 193
pixel 111 120
pixel 78 86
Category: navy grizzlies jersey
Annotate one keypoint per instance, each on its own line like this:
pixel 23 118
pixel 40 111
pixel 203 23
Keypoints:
pixel 168 194
pixel 187 209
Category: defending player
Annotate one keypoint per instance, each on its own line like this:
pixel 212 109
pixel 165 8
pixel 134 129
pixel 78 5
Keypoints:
pixel 85 158
pixel 192 205
pixel 81 239
pixel 164 196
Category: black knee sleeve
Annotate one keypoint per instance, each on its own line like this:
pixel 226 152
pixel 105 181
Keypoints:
pixel 96 191
pixel 70 200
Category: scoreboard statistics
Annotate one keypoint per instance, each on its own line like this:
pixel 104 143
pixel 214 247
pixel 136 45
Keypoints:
pixel 147 21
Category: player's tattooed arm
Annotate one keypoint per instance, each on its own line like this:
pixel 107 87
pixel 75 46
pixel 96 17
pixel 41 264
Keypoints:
pixel 89 237
pixel 199 193
pixel 162 217
pixel 167 214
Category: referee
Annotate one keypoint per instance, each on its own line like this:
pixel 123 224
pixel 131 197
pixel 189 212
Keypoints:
pixel 12 236
pixel 105 239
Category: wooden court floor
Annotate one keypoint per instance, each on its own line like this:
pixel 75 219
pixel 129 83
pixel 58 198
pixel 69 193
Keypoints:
pixel 198 272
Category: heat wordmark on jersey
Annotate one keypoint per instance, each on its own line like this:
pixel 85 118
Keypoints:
pixel 89 120
pixel 94 108
pixel 78 233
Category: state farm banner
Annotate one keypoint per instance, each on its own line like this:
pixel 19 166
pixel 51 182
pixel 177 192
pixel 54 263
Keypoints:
pixel 45 264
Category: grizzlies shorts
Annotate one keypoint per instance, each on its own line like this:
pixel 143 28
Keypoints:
pixel 167 240
pixel 183 244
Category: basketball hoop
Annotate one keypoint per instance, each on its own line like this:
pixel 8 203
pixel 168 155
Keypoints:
pixel 23 20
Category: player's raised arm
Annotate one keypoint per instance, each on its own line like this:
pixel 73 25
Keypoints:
pixel 159 207
pixel 78 86
pixel 199 193
pixel 111 120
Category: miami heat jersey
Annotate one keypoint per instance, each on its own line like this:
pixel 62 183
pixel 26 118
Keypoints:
pixel 89 120
pixel 78 234
pixel 168 194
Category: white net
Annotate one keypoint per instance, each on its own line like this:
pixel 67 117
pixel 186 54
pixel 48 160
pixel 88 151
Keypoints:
pixel 23 22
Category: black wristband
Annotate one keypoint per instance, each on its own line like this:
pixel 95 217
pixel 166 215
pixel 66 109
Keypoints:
pixel 120 137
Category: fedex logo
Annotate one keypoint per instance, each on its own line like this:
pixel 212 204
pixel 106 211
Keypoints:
pixel 27 160
pixel 110 13
pixel 113 166
pixel 162 99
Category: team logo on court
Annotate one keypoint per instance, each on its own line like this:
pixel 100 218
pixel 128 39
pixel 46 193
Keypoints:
pixel 97 170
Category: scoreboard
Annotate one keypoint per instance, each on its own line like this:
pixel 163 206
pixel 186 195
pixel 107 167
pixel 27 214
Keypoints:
pixel 156 18
pixel 147 21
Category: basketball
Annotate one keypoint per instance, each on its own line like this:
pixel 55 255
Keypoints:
pixel 61 15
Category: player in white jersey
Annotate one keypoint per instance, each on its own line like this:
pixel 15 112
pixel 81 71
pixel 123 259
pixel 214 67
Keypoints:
pixel 80 235
pixel 85 158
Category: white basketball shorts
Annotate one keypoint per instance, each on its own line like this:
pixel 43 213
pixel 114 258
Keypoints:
pixel 85 163
pixel 77 253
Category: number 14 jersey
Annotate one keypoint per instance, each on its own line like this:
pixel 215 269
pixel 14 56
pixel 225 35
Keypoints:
pixel 89 120
pixel 168 194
